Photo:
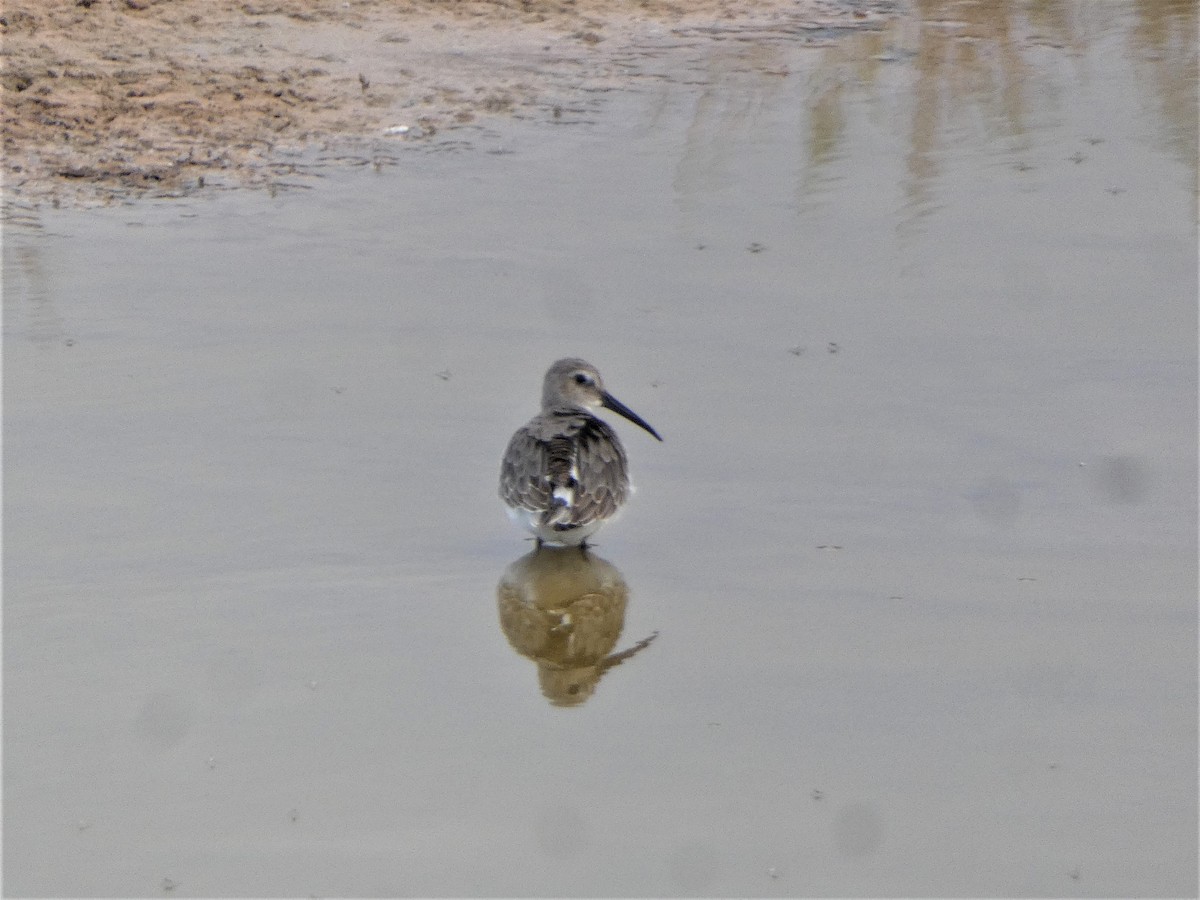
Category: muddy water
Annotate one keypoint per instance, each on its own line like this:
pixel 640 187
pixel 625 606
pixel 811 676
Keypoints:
pixel 905 603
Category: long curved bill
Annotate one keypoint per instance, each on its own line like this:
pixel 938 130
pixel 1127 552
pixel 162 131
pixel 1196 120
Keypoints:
pixel 608 401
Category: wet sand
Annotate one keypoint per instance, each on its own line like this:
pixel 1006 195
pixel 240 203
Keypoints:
pixel 105 99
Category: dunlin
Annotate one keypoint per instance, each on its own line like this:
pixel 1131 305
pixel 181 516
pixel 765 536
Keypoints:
pixel 565 473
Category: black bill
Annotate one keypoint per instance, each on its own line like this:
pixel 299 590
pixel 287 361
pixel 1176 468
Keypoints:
pixel 608 401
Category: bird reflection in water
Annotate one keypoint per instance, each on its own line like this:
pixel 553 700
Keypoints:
pixel 564 608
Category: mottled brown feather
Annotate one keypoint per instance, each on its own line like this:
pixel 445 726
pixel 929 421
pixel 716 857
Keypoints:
pixel 541 456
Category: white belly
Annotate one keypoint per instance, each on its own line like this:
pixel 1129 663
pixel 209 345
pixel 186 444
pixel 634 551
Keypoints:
pixel 531 521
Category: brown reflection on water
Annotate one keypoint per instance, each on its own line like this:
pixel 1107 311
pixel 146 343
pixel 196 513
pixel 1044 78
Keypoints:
pixel 35 297
pixel 564 608
pixel 975 58
pixel 947 68
pixel 966 59
pixel 1163 46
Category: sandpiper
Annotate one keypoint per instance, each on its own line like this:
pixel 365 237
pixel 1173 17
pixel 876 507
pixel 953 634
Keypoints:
pixel 564 473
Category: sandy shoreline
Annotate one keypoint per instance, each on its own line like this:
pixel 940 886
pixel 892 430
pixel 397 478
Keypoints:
pixel 107 99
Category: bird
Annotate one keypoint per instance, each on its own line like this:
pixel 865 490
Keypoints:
pixel 565 473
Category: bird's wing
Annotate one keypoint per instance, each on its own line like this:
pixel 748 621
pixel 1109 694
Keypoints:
pixel 600 471
pixel 573 469
pixel 523 482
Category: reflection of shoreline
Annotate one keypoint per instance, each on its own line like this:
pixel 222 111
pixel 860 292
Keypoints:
pixel 564 608
pixel 945 72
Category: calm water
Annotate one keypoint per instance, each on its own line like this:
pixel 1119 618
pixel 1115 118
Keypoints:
pixel 905 603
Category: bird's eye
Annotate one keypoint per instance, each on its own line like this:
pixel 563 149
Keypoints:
pixel 580 378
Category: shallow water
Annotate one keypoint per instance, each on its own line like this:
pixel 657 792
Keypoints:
pixel 915 312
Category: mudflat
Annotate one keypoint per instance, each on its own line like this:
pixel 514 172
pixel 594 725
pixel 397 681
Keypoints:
pixel 104 99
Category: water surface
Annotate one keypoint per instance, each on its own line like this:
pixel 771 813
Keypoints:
pixel 915 312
